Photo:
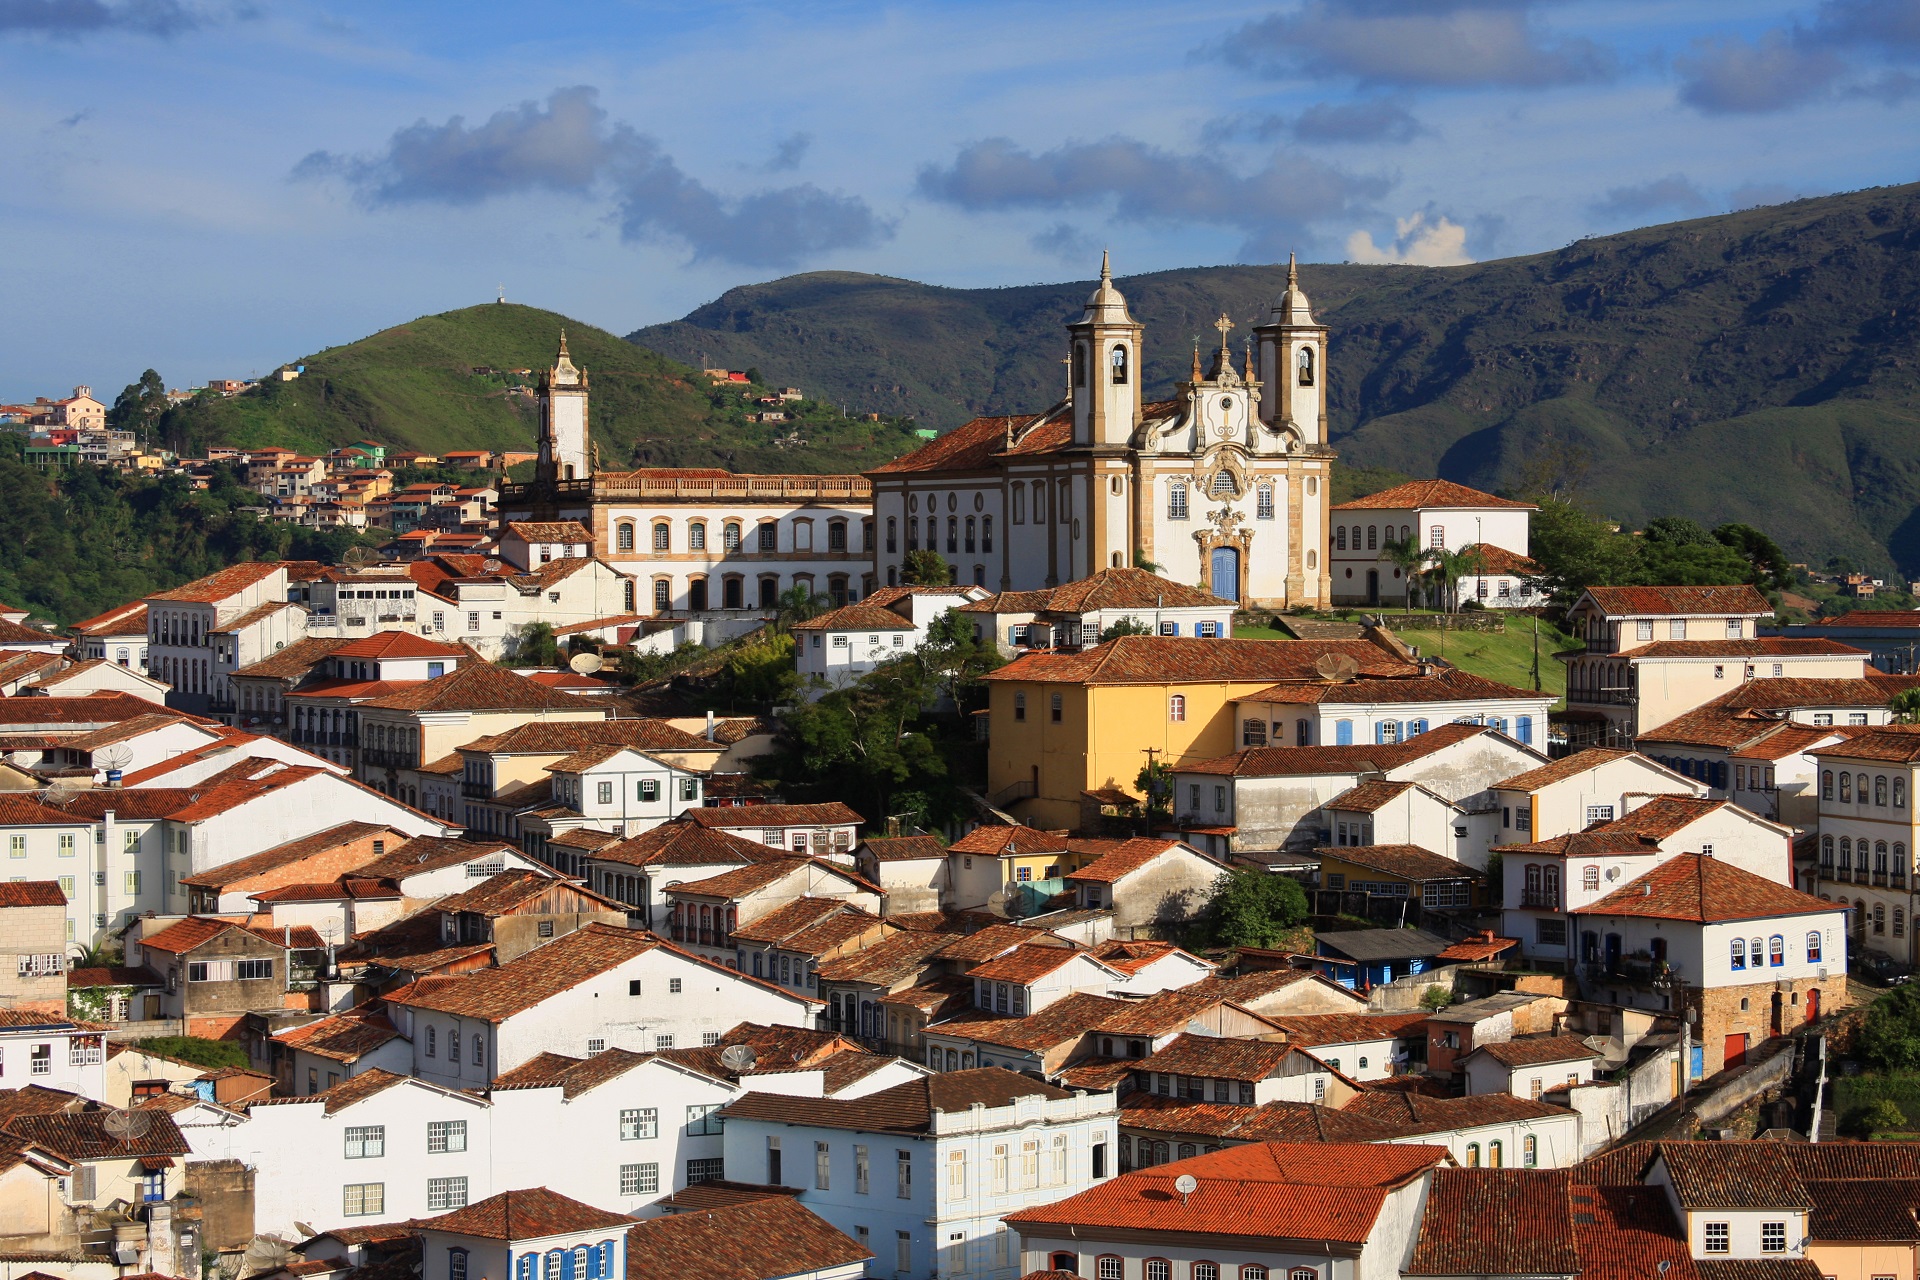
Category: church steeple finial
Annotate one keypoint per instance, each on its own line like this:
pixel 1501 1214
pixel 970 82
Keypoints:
pixel 1105 272
pixel 1249 373
pixel 1196 358
pixel 563 342
pixel 1293 271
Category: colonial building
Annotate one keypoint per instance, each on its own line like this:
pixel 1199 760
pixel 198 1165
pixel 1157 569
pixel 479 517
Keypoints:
pixel 1224 485
pixel 1432 515
pixel 698 540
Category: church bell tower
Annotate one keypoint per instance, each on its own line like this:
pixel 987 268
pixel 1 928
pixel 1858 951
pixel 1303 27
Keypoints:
pixel 1105 369
pixel 564 451
pixel 1293 361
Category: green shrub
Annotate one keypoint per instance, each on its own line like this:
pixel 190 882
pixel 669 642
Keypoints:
pixel 197 1050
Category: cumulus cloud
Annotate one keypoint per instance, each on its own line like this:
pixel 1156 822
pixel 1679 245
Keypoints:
pixel 1673 192
pixel 73 18
pixel 568 145
pixel 788 152
pixel 1369 120
pixel 1145 184
pixel 1892 24
pixel 1447 44
pixel 1733 75
pixel 1417 242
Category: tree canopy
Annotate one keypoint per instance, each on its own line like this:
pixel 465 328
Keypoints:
pixel 1251 907
pixel 1576 549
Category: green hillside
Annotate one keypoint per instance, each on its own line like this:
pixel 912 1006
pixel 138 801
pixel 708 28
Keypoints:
pixel 1761 366
pixel 415 386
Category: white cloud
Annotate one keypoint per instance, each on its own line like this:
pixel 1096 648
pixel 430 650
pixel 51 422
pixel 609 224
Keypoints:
pixel 1416 242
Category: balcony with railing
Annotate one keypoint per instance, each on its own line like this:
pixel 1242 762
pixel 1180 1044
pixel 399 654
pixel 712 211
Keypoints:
pixel 764 488
pixel 388 758
pixel 1637 970
pixel 1540 899
pixel 476 790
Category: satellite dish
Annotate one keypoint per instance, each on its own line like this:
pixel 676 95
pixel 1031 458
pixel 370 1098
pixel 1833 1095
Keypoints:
pixel 1186 1184
pixel 117 758
pixel 586 663
pixel 1337 668
pixel 489 566
pixel 59 795
pixel 738 1058
pixel 356 555
pixel 127 1125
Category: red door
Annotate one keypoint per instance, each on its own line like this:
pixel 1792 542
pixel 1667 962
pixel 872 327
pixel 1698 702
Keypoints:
pixel 1736 1052
pixel 1813 1004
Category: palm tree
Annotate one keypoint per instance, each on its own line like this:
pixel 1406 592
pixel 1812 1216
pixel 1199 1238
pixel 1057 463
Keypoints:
pixel 798 603
pixel 1905 706
pixel 1410 558
pixel 1447 568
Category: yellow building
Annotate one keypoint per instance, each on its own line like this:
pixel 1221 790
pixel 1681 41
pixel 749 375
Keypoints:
pixel 1064 725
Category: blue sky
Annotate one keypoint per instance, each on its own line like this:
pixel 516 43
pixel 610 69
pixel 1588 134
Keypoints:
pixel 211 187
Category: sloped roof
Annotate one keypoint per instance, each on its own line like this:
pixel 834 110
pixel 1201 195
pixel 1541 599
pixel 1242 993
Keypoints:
pixel 1764 647
pixel 752 1239
pixel 1445 684
pixel 481 686
pixel 1132 855
pixel 887 960
pixel 522 983
pixel 856 617
pixel 532 1214
pixel 216 587
pixel 1311 1030
pixel 1568 767
pixel 1401 862
pixel 828 813
pixel 1678 601
pixel 689 844
pixel 1534 1051
pixel 297 659
pixel 1122 588
pixel 293 851
pixel 1737 1175
pixel 1423 494
pixel 1323 1192
pixel 1384 944
pixel 904 1108
pixel 1497 1222
pixel 1415 1114
pixel 1275 762
pixel 1218 1057
pixel 422 854
pixel 347 1037
pixel 82 1135
pixel 1704 890
pixel 904 848
pixel 398 644
pixel 1894 744
pixel 1163 660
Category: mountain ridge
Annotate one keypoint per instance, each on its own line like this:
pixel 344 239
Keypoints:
pixel 1761 366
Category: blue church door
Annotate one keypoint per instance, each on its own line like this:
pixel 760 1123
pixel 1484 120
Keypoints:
pixel 1226 573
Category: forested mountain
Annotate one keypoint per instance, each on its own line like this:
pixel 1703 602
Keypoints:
pixel 1760 367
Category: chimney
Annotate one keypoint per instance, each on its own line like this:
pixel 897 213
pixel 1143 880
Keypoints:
pixel 709 726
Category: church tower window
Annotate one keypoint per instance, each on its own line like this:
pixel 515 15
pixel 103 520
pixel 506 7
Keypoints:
pixel 1079 365
pixel 1177 501
pixel 986 533
pixel 893 534
pixel 1373 537
pixel 1305 365
pixel 1119 361
pixel 953 534
pixel 1223 486
pixel 1019 504
pixel 1263 502
pixel 662 536
pixel 696 536
pixel 623 536
pixel 970 533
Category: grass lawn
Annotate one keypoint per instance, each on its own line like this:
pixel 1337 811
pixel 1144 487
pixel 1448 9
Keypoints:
pixel 1505 656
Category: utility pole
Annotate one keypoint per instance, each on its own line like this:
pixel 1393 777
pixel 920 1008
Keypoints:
pixel 1536 653
pixel 1153 785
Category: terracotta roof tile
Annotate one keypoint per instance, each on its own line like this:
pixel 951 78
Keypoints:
pixel 1733 1175
pixel 1533 1051
pixel 1704 890
pixel 1131 856
pixel 1895 744
pixel 524 1215
pixel 1678 601
pixel 1160 660
pixel 571 531
pixel 904 848
pixel 82 1135
pixel 1123 588
pixel 856 617
pixel 1312 1030
pixel 1401 861
pixel 686 844
pixel 32 893
pixel 1414 1114
pixel 422 854
pixel 1066 1019
pixel 1765 647
pixel 1217 1056
pixel 967 447
pixel 1024 964
pixel 1530 1206
pixel 904 1108
pixel 507 891
pixel 1420 494
pixel 1448 684
pixel 343 1038
pixel 1878 1209
pixel 398 644
pixel 755 1239
pixel 216 587
pixel 995 939
pixel 1274 762
pixel 791 918
pixel 830 813
pixel 1132 956
pixel 499 993
pixel 1319 1192
pixel 482 686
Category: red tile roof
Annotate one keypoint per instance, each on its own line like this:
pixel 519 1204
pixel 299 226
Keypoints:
pixel 532 1214
pixel 1497 1222
pixel 889 960
pixel 32 893
pixel 499 993
pixel 1447 684
pixel 1024 964
pixel 1132 855
pixel 1327 1193
pixel 1663 816
pixel 1732 1175
pixel 831 813
pixel 216 587
pixel 856 617
pixel 1415 1114
pixel 1704 890
pixel 1623 1233
pixel 1765 647
pixel 904 1108
pixel 999 841
pixel 904 848
pixel 1218 1057
pixel 398 644
pixel 482 686
pixel 1423 494
pixel 1894 744
pixel 347 1037
pixel 968 447
pixel 1275 762
pixel 1122 588
pixel 1164 660
pixel 1534 1051
pixel 1400 862
pixel 1875 618
pixel 689 844
pixel 1680 601
pixel 1568 767
pixel 1312 1030
pixel 767 1235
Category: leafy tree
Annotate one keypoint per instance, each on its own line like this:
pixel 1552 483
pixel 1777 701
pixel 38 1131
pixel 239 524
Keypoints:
pixel 1905 706
pixel 1677 531
pixel 1883 1115
pixel 140 406
pixel 1770 566
pixel 760 671
pixel 1410 558
pixel 1250 907
pixel 197 1050
pixel 1692 564
pixel 797 604
pixel 1890 1040
pixel 535 647
pixel 1445 570
pixel 1436 998
pixel 953 659
pixel 925 568
pixel 1155 782
pixel 1128 626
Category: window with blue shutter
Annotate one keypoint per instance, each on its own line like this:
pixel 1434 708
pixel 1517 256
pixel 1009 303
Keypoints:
pixel 524 1268
pixel 606 1259
pixel 1523 729
pixel 1380 732
pixel 1343 733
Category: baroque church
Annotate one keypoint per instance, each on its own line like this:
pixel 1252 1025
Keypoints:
pixel 1224 486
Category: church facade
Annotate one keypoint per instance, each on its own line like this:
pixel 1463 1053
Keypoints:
pixel 1224 486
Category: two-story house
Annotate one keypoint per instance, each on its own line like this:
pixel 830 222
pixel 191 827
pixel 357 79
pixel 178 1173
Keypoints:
pixel 199 634
pixel 1433 515
pixel 923 1174
pixel 1868 834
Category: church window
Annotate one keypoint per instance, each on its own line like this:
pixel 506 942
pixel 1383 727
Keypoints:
pixel 662 536
pixel 1305 365
pixel 1373 537
pixel 769 536
pixel 953 534
pixel 837 536
pixel 662 594
pixel 733 592
pixel 730 536
pixel 1263 503
pixel 953 502
pixel 1019 504
pixel 1039 501
pixel 1313 559
pixel 769 591
pixel 1177 501
pixel 626 591
pixel 1313 486
pixel 1405 533
pixel 970 533
pixel 1340 538
pixel 913 533
pixel 623 536
pixel 1079 365
pixel 913 502
pixel 986 533
pixel 803 535
pixel 893 534
pixel 1223 486
pixel 1119 361
pixel 696 537
pixel 979 575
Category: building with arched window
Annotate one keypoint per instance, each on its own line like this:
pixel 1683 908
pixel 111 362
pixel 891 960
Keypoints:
pixel 1223 485
pixel 1430 516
